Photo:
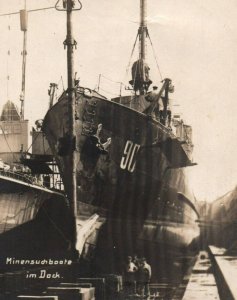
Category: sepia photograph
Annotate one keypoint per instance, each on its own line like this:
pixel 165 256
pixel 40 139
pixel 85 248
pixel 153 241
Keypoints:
pixel 118 177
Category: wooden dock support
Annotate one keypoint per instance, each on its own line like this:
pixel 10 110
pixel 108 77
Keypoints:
pixel 225 268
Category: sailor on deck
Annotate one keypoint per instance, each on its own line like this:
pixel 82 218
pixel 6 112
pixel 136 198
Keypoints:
pixel 152 97
pixel 105 145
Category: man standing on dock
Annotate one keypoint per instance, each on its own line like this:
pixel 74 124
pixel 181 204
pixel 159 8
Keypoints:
pixel 143 278
pixel 129 279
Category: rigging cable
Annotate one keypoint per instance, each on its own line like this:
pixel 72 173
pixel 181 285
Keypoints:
pixel 4 134
pixel 65 5
pixel 109 92
pixel 30 10
pixel 117 82
pixel 131 55
pixel 155 56
pixel 62 83
pixel 33 142
pixel 111 79
pixel 8 63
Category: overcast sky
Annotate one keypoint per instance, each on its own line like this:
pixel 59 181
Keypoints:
pixel 195 44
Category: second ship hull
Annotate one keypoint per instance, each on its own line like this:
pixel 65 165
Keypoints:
pixel 31 223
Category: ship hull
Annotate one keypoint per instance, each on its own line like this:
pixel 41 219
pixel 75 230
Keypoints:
pixel 221 228
pixel 155 241
pixel 31 221
pixel 168 231
pixel 19 201
pixel 139 180
pixel 109 179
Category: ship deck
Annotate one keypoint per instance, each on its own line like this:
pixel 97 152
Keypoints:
pixel 24 180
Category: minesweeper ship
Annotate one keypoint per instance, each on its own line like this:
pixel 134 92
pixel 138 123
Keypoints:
pixel 130 165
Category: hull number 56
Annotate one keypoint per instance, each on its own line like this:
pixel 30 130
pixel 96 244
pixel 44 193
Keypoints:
pixel 128 160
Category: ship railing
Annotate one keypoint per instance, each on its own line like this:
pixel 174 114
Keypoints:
pixel 15 175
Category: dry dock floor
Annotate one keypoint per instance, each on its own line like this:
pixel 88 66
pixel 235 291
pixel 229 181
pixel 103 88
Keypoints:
pixel 202 283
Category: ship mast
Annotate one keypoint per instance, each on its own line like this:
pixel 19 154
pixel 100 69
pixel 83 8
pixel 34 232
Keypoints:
pixel 140 70
pixel 70 43
pixel 23 19
pixel 143 29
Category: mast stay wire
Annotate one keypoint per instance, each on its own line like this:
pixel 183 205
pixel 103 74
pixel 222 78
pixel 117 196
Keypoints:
pixel 65 5
pixel 61 79
pixel 130 59
pixel 35 138
pixel 111 80
pixel 30 10
pixel 8 59
pixel 9 147
pixel 113 94
pixel 154 53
